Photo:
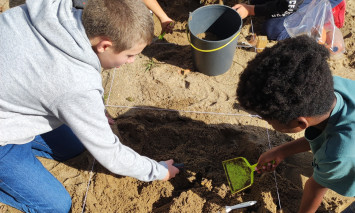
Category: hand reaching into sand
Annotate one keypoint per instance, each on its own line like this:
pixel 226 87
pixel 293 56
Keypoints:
pixel 110 120
pixel 173 171
pixel 269 160
pixel 167 25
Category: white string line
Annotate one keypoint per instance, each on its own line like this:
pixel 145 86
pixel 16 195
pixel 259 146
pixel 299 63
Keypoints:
pixel 113 77
pixel 277 188
pixel 252 31
pixel 93 163
pixel 267 129
pixel 252 27
pixel 184 111
pixel 150 108
pixel 87 188
pixel 172 110
pixel 200 112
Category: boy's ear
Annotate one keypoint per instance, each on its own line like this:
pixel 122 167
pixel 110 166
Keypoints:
pixel 101 45
pixel 303 122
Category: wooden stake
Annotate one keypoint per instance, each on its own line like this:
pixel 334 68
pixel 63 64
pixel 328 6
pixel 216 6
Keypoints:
pixel 261 43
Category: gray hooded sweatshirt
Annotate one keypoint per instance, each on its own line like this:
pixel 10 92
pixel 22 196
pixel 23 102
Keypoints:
pixel 49 76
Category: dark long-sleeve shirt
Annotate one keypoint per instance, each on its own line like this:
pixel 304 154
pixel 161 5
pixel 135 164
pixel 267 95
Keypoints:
pixel 275 8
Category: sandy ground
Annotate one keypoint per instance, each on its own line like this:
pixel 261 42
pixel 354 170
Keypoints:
pixel 163 77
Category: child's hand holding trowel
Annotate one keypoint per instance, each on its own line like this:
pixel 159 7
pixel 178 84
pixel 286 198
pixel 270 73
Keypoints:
pixel 167 27
pixel 167 24
pixel 173 168
pixel 269 160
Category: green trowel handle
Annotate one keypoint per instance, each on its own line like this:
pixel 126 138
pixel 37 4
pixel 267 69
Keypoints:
pixel 252 167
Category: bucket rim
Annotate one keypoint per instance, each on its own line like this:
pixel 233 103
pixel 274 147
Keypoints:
pixel 211 5
pixel 227 40
pixel 214 5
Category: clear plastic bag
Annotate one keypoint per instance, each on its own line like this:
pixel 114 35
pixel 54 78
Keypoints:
pixel 316 20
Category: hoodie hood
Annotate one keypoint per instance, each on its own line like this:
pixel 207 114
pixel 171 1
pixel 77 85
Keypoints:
pixel 50 76
pixel 59 23
pixel 45 55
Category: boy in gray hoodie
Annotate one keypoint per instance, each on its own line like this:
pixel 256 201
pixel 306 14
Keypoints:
pixel 51 94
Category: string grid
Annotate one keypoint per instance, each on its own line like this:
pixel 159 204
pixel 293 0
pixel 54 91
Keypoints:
pixel 181 111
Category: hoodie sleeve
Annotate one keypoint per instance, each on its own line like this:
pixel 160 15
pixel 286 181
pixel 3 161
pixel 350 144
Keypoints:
pixel 277 8
pixel 84 113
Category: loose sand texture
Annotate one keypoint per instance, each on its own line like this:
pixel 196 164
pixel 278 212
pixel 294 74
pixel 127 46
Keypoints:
pixel 163 77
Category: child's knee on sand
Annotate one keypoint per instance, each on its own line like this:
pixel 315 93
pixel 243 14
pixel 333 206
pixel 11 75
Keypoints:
pixel 56 203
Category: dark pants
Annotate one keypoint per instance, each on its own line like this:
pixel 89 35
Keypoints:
pixel 350 208
pixel 274 27
pixel 25 183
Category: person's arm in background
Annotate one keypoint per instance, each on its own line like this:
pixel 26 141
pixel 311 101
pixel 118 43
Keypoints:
pixel 167 24
pixel 312 196
pixel 276 8
pixel 244 10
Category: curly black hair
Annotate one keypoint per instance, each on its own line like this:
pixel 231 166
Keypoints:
pixel 287 81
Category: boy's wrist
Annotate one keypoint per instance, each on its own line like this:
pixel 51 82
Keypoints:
pixel 163 174
pixel 164 18
pixel 251 11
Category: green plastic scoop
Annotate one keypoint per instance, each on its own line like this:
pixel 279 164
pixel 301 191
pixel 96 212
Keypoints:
pixel 240 174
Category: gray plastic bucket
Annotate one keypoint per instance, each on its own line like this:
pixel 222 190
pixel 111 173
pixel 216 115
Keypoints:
pixel 214 57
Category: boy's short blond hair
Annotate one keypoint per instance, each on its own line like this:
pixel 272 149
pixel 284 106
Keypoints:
pixel 124 22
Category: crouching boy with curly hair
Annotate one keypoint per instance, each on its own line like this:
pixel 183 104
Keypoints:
pixel 291 86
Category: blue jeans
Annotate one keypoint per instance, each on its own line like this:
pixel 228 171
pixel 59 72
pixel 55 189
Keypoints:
pixel 274 27
pixel 350 208
pixel 25 184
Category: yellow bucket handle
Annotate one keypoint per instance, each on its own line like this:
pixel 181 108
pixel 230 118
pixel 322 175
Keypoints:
pixel 208 51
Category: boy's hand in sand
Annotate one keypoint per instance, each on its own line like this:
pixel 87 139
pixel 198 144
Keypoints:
pixel 244 10
pixel 167 25
pixel 269 160
pixel 173 171
pixel 110 120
